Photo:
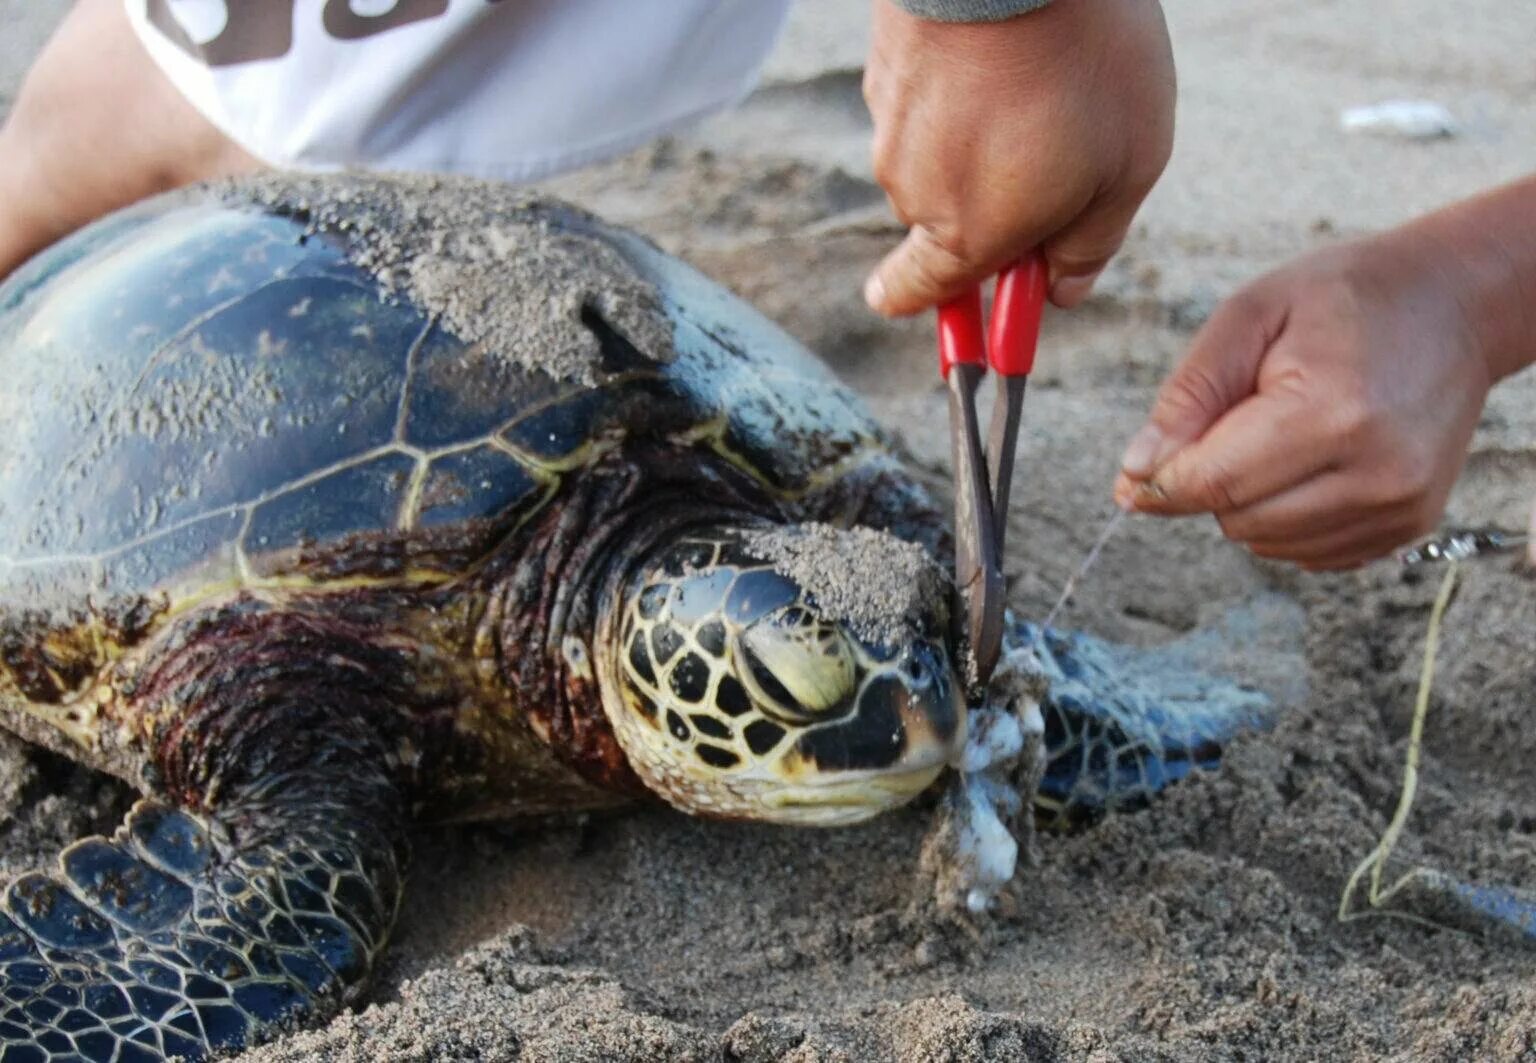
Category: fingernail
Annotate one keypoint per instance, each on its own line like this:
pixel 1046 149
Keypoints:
pixel 1069 291
pixel 1140 458
pixel 874 292
pixel 1125 495
pixel 1149 491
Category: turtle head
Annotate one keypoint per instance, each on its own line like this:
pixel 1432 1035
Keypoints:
pixel 735 690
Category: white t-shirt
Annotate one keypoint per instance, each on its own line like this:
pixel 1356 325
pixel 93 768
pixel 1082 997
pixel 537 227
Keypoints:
pixel 510 89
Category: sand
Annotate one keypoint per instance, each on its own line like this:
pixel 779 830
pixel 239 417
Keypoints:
pixel 1202 928
pixel 870 580
pixel 478 256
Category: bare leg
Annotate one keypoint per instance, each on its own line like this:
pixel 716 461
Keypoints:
pixel 97 126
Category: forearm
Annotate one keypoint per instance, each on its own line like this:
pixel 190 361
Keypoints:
pixel 1485 247
pixel 969 10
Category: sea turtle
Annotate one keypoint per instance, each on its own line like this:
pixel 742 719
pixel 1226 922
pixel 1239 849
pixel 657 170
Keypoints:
pixel 330 504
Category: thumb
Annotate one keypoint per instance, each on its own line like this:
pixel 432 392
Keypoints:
pixel 921 272
pixel 1220 370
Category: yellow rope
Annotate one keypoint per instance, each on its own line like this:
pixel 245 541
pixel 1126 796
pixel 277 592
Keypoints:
pixel 1376 861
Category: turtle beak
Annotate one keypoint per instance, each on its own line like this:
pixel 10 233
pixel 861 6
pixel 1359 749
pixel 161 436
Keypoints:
pixel 909 726
pixel 846 800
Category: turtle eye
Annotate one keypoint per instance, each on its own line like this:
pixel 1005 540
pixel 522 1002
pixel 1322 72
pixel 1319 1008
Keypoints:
pixel 796 666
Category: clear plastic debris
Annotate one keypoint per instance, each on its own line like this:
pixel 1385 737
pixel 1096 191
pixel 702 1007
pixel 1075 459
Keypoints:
pixel 1407 119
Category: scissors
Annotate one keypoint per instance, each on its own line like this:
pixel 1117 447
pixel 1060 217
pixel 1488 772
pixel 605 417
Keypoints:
pixel 983 478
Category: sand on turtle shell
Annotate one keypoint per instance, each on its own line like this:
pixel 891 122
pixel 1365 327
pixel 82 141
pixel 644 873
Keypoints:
pixel 1200 929
pixel 483 257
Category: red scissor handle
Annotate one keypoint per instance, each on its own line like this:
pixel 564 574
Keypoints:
pixel 1016 311
pixel 961 336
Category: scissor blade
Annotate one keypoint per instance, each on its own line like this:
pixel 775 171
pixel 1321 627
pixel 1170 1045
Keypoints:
pixel 1002 445
pixel 978 571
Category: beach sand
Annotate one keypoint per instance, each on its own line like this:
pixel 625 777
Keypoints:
pixel 1202 928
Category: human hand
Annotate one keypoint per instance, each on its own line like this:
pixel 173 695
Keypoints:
pixel 1323 413
pixel 95 127
pixel 991 139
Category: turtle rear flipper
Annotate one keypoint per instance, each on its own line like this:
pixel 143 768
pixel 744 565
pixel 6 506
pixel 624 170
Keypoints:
pixel 190 935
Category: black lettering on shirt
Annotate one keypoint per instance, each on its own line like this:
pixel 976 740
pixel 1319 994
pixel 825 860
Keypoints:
pixel 255 30
pixel 345 24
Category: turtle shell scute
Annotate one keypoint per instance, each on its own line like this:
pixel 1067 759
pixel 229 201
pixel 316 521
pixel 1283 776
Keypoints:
pixel 207 391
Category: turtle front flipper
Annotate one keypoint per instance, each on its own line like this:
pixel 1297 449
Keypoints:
pixel 255 890
pixel 188 935
pixel 1122 723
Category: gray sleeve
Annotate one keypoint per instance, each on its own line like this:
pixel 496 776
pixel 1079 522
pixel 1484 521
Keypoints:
pixel 969 10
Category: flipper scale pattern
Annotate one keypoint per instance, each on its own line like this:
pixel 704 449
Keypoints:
pixel 183 935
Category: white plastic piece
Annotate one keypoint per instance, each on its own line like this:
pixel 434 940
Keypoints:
pixel 992 736
pixel 1031 719
pixel 985 801
pixel 985 842
pixel 1407 119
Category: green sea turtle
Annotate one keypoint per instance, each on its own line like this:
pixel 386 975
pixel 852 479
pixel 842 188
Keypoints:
pixel 328 505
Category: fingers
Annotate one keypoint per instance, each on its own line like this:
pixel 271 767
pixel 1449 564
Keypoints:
pixel 1327 504
pixel 1079 252
pixel 1349 547
pixel 925 269
pixel 1322 414
pixel 1327 522
pixel 1266 444
pixel 921 272
pixel 1220 371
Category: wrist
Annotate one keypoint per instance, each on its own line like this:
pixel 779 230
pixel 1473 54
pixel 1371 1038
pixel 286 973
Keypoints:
pixel 1485 250
pixel 1041 49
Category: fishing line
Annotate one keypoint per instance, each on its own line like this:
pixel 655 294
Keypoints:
pixel 1088 562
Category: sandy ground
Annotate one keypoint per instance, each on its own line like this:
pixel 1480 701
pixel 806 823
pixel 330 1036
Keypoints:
pixel 1203 928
